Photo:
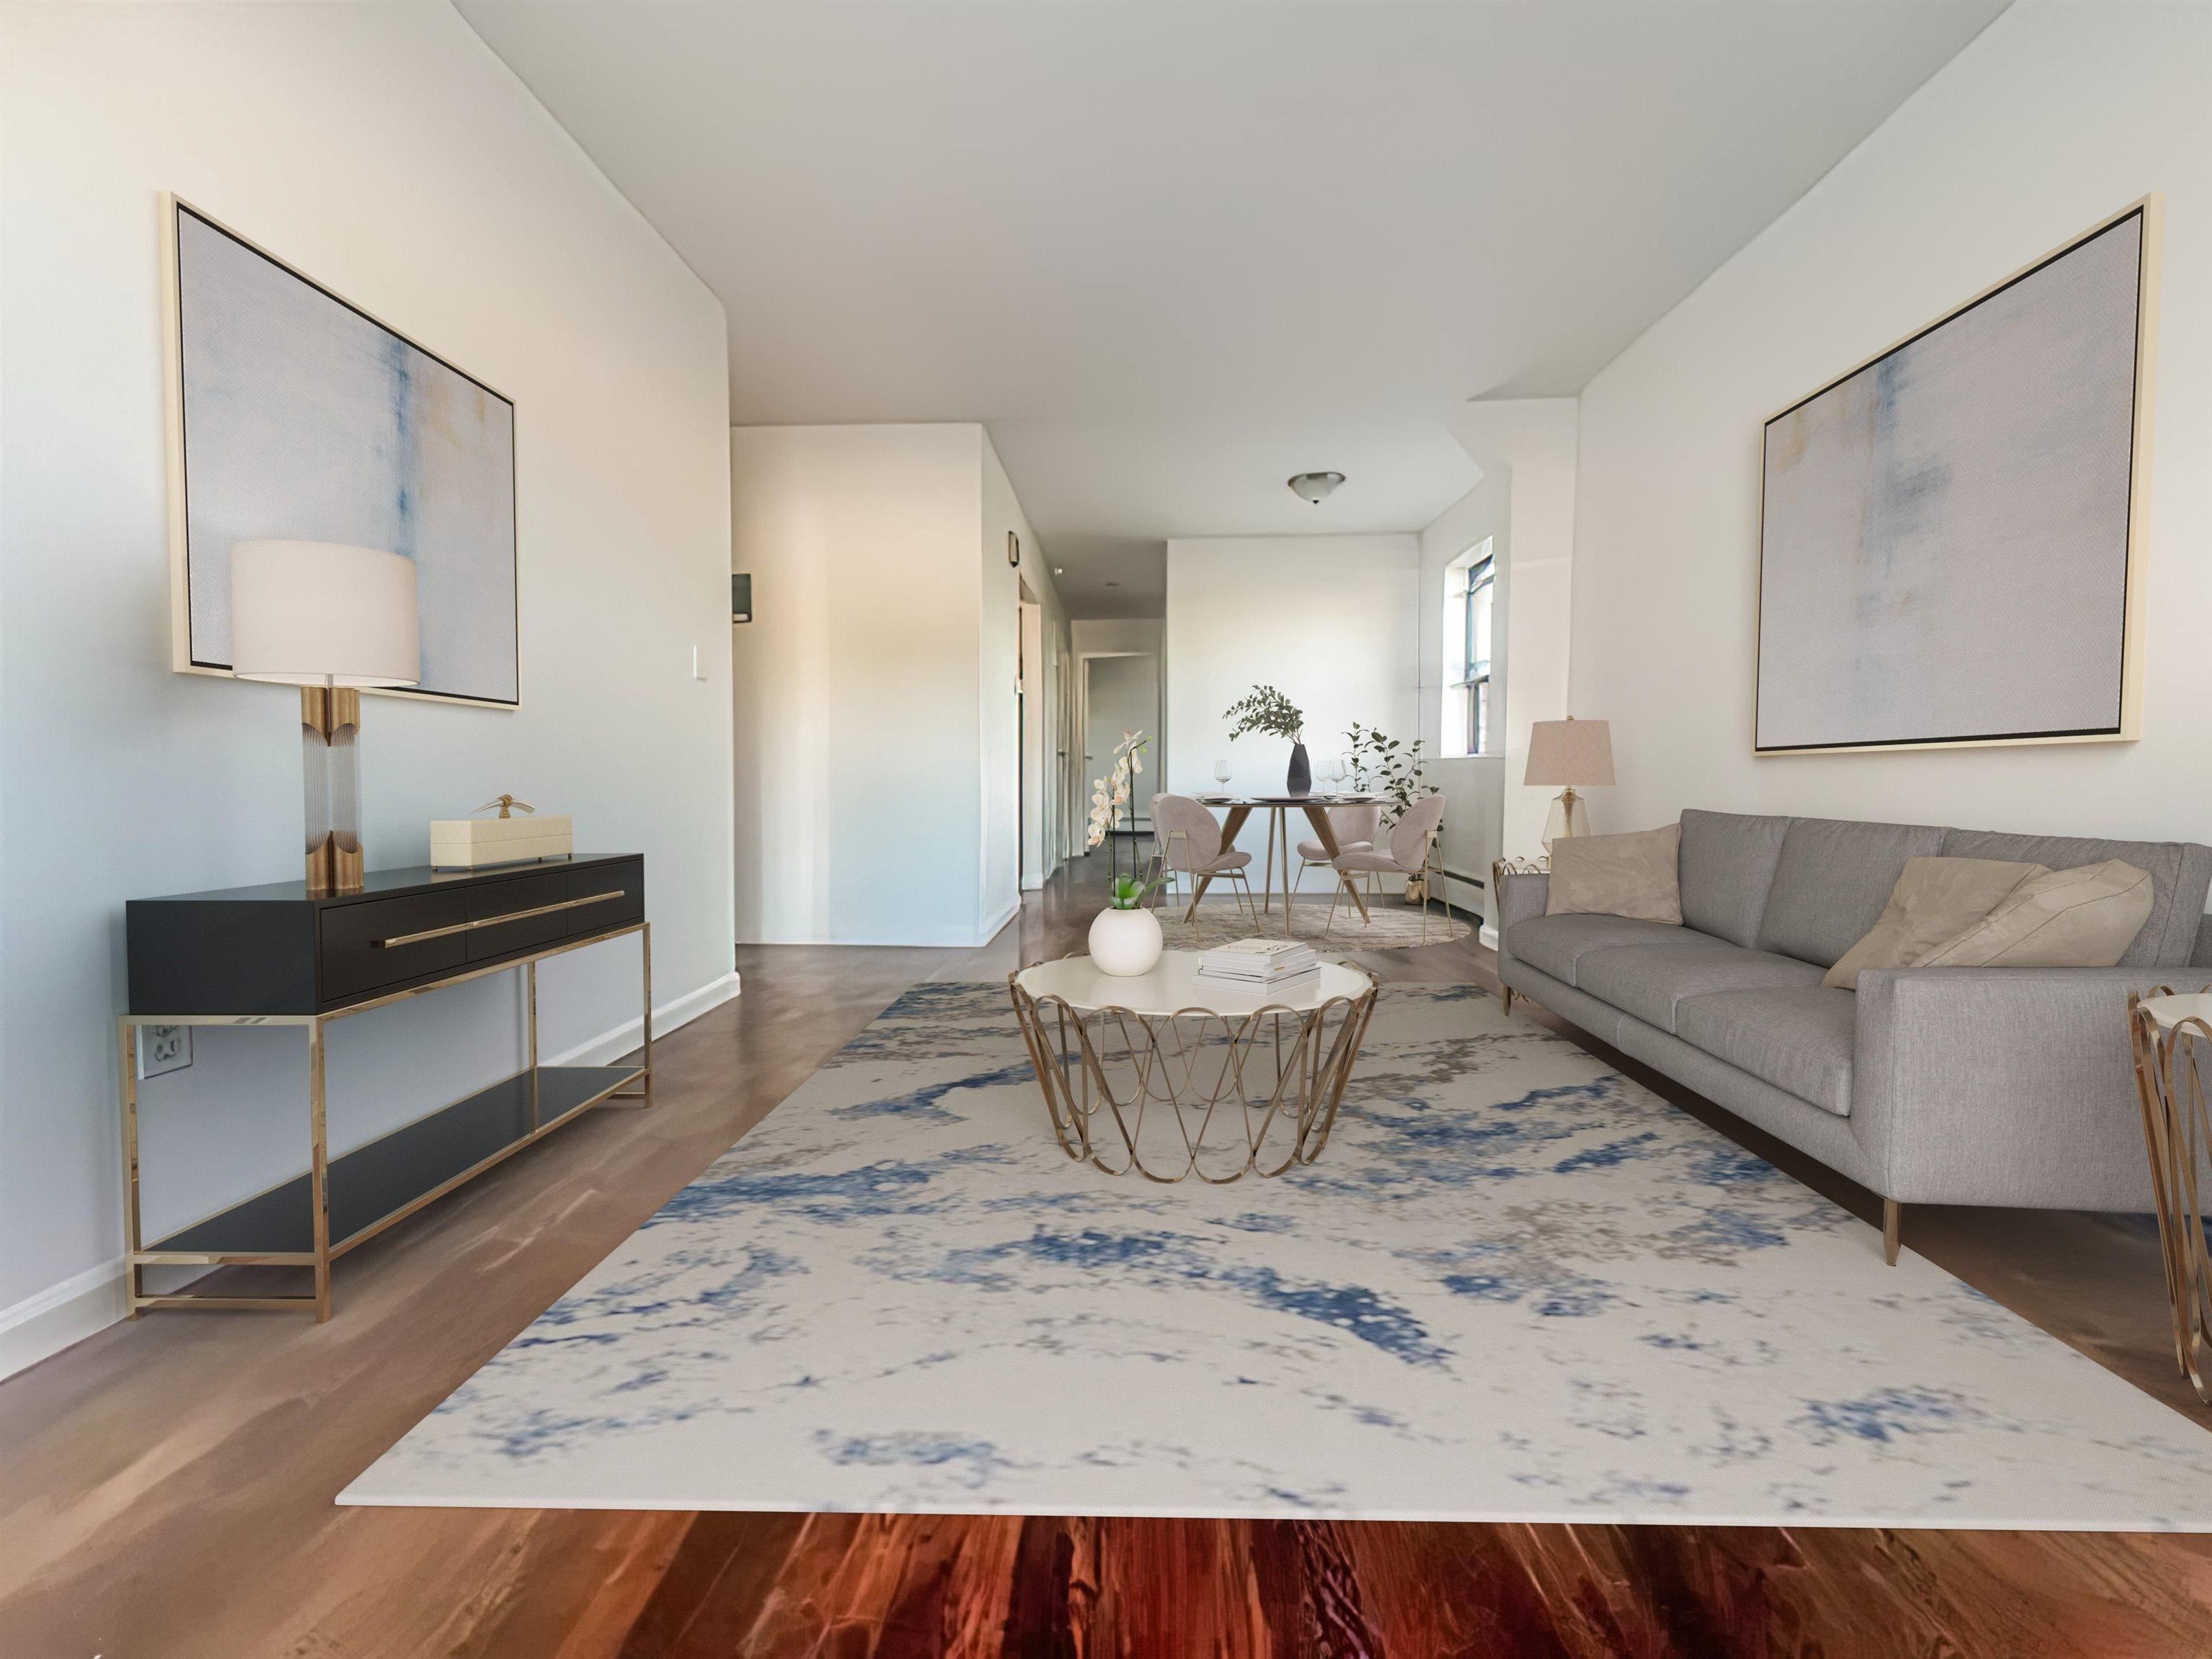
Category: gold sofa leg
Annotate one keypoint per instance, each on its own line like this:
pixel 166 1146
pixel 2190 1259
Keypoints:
pixel 1505 999
pixel 1892 1229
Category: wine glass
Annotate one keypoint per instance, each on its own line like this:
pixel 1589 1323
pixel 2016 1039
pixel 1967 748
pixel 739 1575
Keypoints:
pixel 1221 771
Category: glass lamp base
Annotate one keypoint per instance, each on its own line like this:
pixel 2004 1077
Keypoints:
pixel 1570 815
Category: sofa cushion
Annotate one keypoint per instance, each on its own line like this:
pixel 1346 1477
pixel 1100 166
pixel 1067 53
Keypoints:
pixel 2081 918
pixel 1728 865
pixel 1651 980
pixel 1936 900
pixel 1637 874
pixel 1833 880
pixel 1798 1039
pixel 2179 872
pixel 1555 944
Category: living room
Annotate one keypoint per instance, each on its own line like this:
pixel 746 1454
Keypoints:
pixel 1362 480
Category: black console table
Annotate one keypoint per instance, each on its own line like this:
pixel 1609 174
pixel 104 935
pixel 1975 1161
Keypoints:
pixel 280 956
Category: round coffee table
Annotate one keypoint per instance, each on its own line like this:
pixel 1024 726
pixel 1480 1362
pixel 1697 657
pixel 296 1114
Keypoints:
pixel 1172 1078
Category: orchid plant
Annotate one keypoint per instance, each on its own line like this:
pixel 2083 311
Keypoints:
pixel 1110 793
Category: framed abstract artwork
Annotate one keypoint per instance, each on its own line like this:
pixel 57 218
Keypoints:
pixel 1952 535
pixel 294 414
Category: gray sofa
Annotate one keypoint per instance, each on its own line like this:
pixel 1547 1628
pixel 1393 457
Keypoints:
pixel 1934 1085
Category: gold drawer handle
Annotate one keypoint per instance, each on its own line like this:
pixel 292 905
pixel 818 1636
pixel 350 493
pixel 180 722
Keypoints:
pixel 492 921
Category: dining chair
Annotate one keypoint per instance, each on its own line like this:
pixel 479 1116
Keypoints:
pixel 1188 842
pixel 1355 829
pixel 1412 852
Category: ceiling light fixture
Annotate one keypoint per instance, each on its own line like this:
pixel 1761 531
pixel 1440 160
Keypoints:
pixel 1315 487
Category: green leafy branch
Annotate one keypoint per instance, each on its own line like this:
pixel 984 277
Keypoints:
pixel 1265 709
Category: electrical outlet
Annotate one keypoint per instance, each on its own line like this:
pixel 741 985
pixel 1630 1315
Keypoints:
pixel 164 1049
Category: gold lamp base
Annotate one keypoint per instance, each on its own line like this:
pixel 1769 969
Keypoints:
pixel 330 734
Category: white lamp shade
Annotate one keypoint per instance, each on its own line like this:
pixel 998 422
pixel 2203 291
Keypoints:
pixel 322 613
pixel 1569 752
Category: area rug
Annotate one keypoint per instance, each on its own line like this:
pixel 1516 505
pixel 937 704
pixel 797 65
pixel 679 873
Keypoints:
pixel 1390 925
pixel 1516 1286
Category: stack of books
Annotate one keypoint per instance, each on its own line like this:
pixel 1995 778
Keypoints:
pixel 1273 965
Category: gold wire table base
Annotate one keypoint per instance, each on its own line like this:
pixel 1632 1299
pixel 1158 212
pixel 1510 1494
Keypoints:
pixel 2174 1053
pixel 1198 1092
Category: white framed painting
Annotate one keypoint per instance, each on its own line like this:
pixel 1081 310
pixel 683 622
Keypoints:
pixel 296 415
pixel 1951 534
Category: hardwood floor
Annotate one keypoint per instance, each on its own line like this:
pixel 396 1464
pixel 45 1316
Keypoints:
pixel 165 1486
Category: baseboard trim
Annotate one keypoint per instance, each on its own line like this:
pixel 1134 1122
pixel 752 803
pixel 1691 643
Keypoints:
pixel 990 928
pixel 60 1316
pixel 64 1315
pixel 611 1045
pixel 1488 936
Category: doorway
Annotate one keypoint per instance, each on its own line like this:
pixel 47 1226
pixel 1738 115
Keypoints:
pixel 1121 694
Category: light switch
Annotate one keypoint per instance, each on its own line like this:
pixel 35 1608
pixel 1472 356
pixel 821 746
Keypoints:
pixel 698 664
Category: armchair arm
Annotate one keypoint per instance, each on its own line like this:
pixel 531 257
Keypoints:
pixel 2002 1085
pixel 1518 897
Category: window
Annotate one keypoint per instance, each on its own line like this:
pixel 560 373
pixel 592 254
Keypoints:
pixel 1475 598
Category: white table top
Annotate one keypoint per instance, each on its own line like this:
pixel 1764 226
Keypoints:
pixel 1168 990
pixel 2170 1012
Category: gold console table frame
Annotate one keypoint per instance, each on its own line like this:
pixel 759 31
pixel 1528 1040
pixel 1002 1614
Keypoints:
pixel 623 1083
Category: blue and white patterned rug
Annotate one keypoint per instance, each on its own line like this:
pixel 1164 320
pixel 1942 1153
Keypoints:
pixel 1516 1286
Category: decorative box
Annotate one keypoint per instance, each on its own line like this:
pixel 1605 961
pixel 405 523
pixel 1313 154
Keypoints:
pixel 475 843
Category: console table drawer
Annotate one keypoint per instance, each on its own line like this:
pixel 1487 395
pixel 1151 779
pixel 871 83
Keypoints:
pixel 520 914
pixel 282 950
pixel 389 941
pixel 612 896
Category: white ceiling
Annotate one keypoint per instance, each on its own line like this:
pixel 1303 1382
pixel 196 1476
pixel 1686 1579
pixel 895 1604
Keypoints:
pixel 1174 253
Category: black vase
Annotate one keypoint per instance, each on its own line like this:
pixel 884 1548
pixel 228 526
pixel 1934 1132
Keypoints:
pixel 1300 781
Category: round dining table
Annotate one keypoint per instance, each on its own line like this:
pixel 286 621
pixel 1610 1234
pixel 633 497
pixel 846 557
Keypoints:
pixel 1316 806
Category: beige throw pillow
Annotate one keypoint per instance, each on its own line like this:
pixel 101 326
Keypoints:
pixel 1636 875
pixel 2085 917
pixel 1934 901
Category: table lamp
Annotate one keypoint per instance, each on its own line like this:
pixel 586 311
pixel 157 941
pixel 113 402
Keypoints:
pixel 1569 752
pixel 330 619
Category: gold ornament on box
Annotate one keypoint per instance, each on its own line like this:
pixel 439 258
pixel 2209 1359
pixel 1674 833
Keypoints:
pixel 475 844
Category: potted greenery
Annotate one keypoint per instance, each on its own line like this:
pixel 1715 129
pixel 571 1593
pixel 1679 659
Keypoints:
pixel 1392 769
pixel 1268 710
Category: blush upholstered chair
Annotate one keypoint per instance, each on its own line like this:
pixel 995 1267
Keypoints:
pixel 1355 829
pixel 1411 853
pixel 1190 840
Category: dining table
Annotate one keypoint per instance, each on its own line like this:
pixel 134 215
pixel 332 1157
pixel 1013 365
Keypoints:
pixel 1240 807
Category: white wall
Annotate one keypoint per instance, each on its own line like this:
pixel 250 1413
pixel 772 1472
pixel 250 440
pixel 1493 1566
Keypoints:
pixel 386 152
pixel 858 753
pixel 1004 800
pixel 878 760
pixel 1332 621
pixel 2049 120
pixel 1529 444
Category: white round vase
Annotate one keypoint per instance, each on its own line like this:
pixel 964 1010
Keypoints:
pixel 1125 943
